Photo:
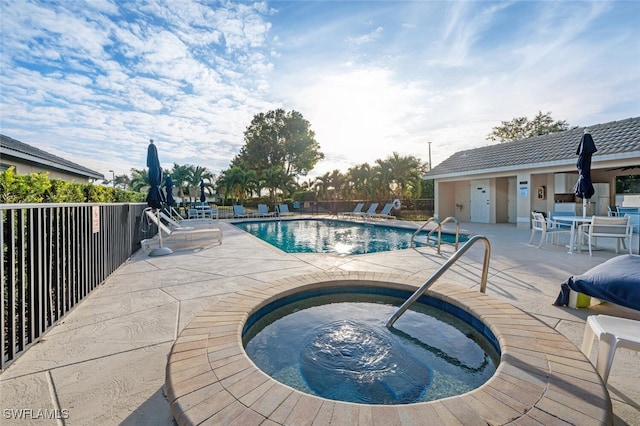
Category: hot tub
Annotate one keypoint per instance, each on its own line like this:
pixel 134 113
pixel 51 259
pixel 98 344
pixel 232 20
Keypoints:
pixel 541 375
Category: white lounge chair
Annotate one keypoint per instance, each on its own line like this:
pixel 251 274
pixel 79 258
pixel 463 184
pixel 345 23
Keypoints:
pixel 370 211
pixel 263 211
pixel 612 333
pixel 185 224
pixel 608 227
pixel 283 210
pixel 545 227
pixel 385 212
pixel 169 234
pixel 238 211
pixel 356 210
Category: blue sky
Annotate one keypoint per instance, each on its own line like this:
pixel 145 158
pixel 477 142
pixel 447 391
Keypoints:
pixel 93 81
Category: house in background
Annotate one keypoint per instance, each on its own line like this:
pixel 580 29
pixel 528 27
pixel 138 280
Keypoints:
pixel 28 159
pixel 504 183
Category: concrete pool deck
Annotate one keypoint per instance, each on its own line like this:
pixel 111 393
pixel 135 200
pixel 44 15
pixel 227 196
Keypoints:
pixel 105 362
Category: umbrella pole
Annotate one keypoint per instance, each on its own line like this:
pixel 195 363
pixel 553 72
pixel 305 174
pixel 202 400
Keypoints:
pixel 584 207
pixel 160 251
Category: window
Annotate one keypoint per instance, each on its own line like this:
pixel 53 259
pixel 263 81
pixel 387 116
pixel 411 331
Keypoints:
pixel 628 184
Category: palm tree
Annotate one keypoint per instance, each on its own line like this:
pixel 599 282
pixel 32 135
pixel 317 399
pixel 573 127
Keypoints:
pixel 382 179
pixel 180 176
pixel 322 184
pixel 252 183
pixel 139 180
pixel 360 181
pixel 233 181
pixel 406 173
pixel 197 174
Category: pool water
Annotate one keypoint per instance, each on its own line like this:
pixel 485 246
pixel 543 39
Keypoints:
pixel 337 346
pixel 334 236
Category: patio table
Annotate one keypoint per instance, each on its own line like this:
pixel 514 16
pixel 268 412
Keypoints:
pixel 575 221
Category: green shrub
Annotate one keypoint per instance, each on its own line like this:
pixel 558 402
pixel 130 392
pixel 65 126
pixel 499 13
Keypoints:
pixel 38 188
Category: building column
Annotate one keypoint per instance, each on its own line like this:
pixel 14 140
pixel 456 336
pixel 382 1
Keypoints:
pixel 523 215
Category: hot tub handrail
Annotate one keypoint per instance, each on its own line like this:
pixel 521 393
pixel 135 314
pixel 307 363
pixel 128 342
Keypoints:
pixel 483 280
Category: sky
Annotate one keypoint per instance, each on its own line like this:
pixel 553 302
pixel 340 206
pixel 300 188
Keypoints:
pixel 93 81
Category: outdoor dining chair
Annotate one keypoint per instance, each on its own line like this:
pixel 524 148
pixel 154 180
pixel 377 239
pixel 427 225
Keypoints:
pixel 607 227
pixel 546 228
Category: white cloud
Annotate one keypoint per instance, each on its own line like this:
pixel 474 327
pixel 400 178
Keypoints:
pixel 94 81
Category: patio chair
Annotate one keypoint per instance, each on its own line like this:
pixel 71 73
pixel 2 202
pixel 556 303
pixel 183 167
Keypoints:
pixel 183 234
pixel 545 227
pixel 385 212
pixel 624 210
pixel 238 211
pixel 283 210
pixel 263 211
pixel 634 214
pixel 356 210
pixel 607 227
pixel 370 211
pixel 192 213
pixel 613 333
pixel 612 210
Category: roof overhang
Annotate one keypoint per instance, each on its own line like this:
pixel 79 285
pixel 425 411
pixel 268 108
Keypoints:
pixel 7 152
pixel 622 161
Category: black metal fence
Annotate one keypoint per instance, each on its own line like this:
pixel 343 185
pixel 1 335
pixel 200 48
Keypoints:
pixel 54 255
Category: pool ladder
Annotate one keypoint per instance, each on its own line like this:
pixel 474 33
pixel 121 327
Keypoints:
pixel 483 280
pixel 439 229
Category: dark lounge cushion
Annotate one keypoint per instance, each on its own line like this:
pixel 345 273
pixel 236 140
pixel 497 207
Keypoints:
pixel 617 281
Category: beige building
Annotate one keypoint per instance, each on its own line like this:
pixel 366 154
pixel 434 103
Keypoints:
pixel 504 183
pixel 28 159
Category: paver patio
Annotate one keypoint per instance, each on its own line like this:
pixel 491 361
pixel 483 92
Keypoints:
pixel 105 362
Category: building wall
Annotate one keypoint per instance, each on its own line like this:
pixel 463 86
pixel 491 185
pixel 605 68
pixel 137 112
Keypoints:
pixel 25 168
pixel 452 199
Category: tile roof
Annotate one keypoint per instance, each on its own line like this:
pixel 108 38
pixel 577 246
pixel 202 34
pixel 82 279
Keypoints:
pixel 614 138
pixel 14 148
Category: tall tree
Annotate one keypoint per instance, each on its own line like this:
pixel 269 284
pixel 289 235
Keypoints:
pixel 360 181
pixel 139 180
pixel 273 179
pixel 121 181
pixel 279 139
pixel 233 182
pixel 197 174
pixel 522 128
pixel 181 176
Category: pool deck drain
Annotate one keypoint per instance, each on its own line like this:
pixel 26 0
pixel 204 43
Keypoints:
pixel 542 377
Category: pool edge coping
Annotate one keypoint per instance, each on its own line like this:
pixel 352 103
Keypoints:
pixel 541 376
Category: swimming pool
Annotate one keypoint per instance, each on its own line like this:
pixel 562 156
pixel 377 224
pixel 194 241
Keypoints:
pixel 335 236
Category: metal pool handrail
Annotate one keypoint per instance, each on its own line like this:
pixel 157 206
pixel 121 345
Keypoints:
pixel 431 219
pixel 483 280
pixel 439 229
pixel 448 219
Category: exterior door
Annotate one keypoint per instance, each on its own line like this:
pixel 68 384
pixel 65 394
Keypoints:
pixel 480 207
